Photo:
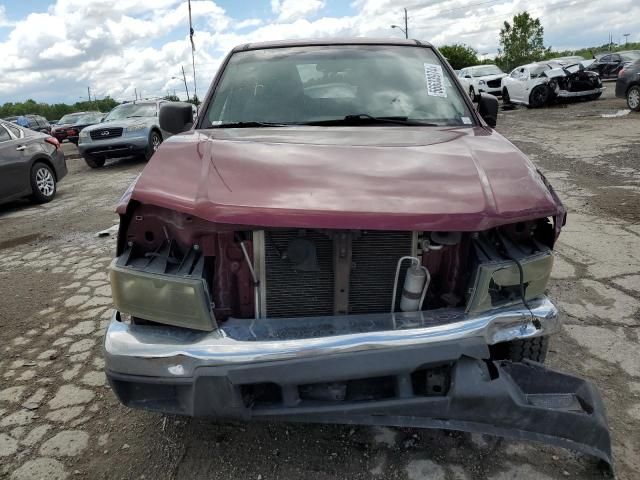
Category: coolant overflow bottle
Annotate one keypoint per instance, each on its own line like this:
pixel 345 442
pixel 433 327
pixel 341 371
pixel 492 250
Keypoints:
pixel 412 291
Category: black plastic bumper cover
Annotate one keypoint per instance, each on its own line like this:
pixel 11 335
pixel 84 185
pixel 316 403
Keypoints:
pixel 525 401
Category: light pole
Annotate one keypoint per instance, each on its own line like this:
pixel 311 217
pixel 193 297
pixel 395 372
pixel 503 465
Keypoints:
pixel 405 30
pixel 406 35
pixel 184 78
pixel 626 38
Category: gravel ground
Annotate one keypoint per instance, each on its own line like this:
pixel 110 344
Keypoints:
pixel 59 420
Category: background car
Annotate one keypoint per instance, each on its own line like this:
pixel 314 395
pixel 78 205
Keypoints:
pixel 84 121
pixel 31 121
pixel 31 164
pixel 128 130
pixel 65 125
pixel 610 64
pixel 483 78
pixel 537 84
pixel 628 85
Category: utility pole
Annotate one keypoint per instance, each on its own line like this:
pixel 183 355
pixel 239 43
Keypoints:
pixel 136 92
pixel 184 77
pixel 406 24
pixel 89 93
pixel 626 38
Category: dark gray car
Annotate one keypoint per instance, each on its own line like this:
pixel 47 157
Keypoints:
pixel 628 85
pixel 31 164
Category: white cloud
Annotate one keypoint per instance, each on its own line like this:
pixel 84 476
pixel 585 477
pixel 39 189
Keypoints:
pixel 119 46
pixel 288 10
pixel 4 21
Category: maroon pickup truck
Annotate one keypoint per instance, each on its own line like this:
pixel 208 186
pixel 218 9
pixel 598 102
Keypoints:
pixel 342 237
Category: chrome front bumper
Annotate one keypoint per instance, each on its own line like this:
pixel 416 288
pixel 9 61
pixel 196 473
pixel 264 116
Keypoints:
pixel 177 353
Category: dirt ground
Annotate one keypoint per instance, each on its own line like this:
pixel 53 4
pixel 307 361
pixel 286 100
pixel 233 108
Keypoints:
pixel 58 418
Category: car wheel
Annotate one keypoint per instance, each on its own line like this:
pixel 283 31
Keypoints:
pixel 155 139
pixel 94 162
pixel 539 96
pixel 472 93
pixel 518 350
pixel 633 98
pixel 505 96
pixel 43 183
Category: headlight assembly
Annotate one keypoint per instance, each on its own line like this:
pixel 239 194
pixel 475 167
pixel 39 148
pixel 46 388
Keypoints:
pixel 136 128
pixel 497 283
pixel 175 300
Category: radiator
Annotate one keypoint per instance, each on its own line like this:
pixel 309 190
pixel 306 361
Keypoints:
pixel 291 293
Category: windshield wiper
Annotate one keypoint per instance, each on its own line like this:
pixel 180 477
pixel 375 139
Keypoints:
pixel 249 125
pixel 364 118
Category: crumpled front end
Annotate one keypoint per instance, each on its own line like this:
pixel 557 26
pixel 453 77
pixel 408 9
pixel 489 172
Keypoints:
pixel 574 83
pixel 345 326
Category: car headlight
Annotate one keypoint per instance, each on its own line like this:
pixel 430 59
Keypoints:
pixel 169 299
pixel 496 282
pixel 136 128
pixel 482 82
pixel 84 134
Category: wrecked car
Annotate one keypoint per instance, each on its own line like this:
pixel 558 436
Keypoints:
pixel 343 238
pixel 538 84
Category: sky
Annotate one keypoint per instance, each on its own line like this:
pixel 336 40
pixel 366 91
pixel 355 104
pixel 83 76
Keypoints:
pixel 52 51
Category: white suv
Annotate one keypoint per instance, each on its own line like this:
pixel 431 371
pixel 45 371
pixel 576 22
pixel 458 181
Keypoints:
pixel 483 78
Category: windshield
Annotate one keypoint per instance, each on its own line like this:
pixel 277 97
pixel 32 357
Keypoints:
pixel 485 70
pixel 132 110
pixel 630 55
pixel 91 118
pixel 301 85
pixel 70 118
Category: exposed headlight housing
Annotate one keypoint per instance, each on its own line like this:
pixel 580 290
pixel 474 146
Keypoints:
pixel 496 282
pixel 136 128
pixel 178 297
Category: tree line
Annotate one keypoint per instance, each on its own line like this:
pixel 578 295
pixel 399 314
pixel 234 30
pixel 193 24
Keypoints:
pixel 57 110
pixel 521 42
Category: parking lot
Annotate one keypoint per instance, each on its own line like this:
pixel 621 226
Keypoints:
pixel 58 418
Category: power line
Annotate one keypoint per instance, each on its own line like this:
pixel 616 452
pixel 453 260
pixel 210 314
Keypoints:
pixel 553 7
pixel 456 8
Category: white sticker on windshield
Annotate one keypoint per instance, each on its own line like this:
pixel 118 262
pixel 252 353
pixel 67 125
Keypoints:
pixel 435 80
pixel 466 120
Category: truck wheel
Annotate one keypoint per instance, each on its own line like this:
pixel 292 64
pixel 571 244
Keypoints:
pixel 539 96
pixel 94 162
pixel 43 183
pixel 155 139
pixel 633 98
pixel 517 350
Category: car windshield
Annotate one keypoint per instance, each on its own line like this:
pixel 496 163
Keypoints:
pixel 129 110
pixel 485 70
pixel 70 118
pixel 91 118
pixel 630 56
pixel 302 85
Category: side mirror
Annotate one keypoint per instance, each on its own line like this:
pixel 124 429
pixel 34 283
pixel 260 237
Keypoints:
pixel 176 117
pixel 488 109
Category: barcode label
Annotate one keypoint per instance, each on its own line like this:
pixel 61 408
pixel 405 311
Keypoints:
pixel 435 80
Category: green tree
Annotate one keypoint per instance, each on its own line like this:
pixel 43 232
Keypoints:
pixel 522 41
pixel 172 98
pixel 55 111
pixel 459 55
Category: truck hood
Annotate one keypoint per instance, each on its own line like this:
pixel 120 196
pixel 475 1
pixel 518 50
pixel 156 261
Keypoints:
pixel 395 178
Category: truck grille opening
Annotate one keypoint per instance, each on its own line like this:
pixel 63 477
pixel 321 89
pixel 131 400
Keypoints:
pixel 308 289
